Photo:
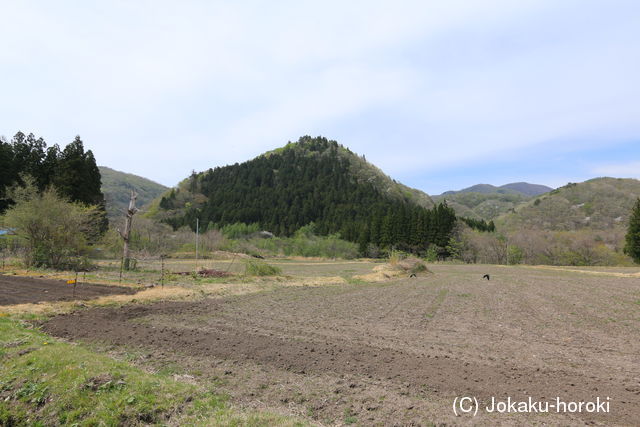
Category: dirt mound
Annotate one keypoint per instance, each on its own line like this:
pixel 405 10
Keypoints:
pixel 403 268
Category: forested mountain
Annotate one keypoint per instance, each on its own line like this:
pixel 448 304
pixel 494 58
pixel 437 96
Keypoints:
pixel 117 187
pixel 485 201
pixel 73 171
pixel 312 180
pixel 596 204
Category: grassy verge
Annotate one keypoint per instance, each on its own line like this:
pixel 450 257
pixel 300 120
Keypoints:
pixel 47 382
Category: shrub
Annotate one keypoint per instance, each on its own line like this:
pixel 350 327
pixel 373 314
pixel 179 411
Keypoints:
pixel 259 268
pixel 55 232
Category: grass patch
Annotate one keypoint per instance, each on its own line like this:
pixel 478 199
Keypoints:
pixel 435 305
pixel 354 280
pixel 46 382
pixel 259 268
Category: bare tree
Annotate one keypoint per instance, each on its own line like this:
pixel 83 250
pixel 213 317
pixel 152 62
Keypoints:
pixel 131 211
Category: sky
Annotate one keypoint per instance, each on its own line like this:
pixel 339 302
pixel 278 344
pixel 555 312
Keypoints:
pixel 440 95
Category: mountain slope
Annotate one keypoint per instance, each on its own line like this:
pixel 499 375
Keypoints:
pixel 523 188
pixel 485 201
pixel 117 187
pixel 597 204
pixel 527 189
pixel 312 180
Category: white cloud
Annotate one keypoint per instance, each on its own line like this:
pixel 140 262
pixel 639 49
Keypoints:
pixel 414 85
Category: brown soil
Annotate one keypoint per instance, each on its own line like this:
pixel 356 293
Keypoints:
pixel 399 353
pixel 20 290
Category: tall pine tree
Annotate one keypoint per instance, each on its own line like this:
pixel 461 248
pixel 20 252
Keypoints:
pixel 632 246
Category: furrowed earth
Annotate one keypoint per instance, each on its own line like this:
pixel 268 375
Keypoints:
pixel 398 352
pixel 20 290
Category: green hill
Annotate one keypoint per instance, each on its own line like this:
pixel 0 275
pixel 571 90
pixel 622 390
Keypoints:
pixel 596 204
pixel 485 206
pixel 117 187
pixel 312 180
pixel 523 188
pixel 485 201
pixel 526 188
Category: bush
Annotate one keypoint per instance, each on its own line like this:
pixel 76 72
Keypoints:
pixel 515 255
pixel 55 233
pixel 259 268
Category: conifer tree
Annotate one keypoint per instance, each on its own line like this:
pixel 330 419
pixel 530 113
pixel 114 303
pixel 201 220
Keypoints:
pixel 632 246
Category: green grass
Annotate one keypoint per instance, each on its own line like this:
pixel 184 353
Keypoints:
pixel 259 268
pixel 354 281
pixel 47 382
pixel 437 302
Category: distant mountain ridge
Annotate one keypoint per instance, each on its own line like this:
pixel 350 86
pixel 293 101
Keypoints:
pixel 524 188
pixel 486 201
pixel 116 187
pixel 596 204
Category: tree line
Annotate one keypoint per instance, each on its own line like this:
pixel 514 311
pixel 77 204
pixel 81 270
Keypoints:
pixel 72 171
pixel 479 224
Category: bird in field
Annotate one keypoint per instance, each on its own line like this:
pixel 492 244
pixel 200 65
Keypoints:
pixel 486 276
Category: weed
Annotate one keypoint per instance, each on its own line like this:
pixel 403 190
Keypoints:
pixel 259 268
pixel 349 416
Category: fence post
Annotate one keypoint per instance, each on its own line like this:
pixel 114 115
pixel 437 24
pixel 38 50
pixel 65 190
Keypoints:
pixel 162 270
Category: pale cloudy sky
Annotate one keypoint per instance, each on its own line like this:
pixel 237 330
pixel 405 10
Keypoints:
pixel 439 94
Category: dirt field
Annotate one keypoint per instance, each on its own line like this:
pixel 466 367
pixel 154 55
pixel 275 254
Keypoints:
pixel 398 353
pixel 20 290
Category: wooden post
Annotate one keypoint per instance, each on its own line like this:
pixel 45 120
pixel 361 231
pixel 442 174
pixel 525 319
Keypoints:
pixel 121 264
pixel 131 211
pixel 162 270
pixel 197 232
pixel 75 283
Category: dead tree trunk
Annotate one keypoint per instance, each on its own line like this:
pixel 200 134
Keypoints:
pixel 131 211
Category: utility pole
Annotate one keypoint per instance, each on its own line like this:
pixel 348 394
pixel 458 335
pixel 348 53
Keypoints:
pixel 197 232
pixel 131 211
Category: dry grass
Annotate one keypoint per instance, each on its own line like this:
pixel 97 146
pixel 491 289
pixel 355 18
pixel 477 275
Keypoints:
pixel 58 307
pixel 395 268
pixel 159 293
pixel 594 272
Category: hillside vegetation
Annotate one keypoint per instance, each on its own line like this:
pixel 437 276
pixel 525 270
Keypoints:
pixel 485 206
pixel 596 204
pixel 485 201
pixel 523 188
pixel 117 187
